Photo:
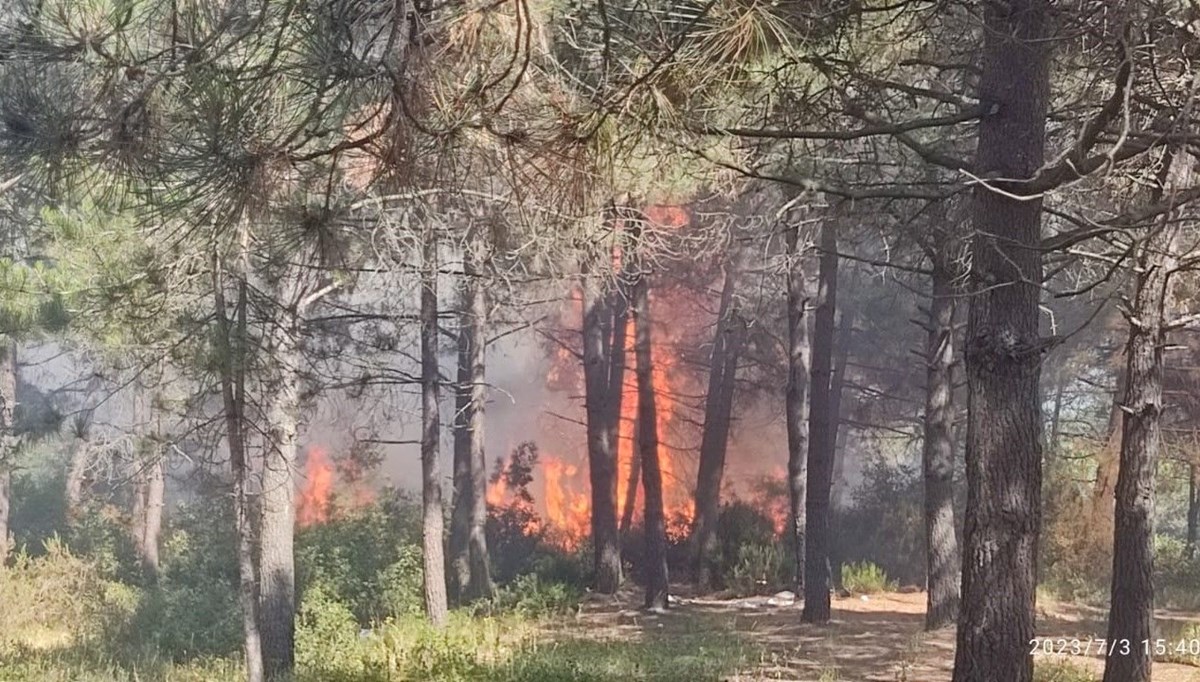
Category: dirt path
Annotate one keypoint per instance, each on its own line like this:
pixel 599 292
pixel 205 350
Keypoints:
pixel 879 639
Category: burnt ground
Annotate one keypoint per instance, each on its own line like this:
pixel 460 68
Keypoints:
pixel 879 639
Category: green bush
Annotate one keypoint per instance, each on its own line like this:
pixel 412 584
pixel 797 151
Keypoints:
pixel 865 578
pixel 59 599
pixel 1060 671
pixel 759 569
pixel 530 596
pixel 401 584
pixel 327 641
pixel 885 525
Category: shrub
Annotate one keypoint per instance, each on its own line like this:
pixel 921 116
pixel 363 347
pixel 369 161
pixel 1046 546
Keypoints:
pixel 865 578
pixel 885 525
pixel 327 638
pixel 1060 671
pixel 759 569
pixel 59 599
pixel 1175 574
pixel 401 584
pixel 529 595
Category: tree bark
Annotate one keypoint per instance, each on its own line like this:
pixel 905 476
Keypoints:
pixel 797 400
pixel 156 488
pixel 652 485
pixel 601 436
pixel 480 585
pixel 1003 356
pixel 837 384
pixel 941 543
pixel 76 476
pixel 8 439
pixel 231 355
pixel 631 486
pixel 714 440
pixel 1193 518
pixel 277 562
pixel 1131 616
pixel 431 485
pixel 462 500
pixel 822 431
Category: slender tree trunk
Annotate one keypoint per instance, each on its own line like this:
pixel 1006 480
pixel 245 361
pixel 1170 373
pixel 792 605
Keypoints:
pixel 1003 352
pixel 431 485
pixel 1056 417
pixel 837 385
pixel 1131 616
pixel 797 400
pixel 714 440
pixel 941 543
pixel 652 485
pixel 231 354
pixel 137 507
pixel 1193 518
pixel 462 501
pixel 602 446
pixel 277 562
pixel 8 439
pixel 480 585
pixel 822 435
pixel 631 485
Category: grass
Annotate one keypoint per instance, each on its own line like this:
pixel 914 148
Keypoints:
pixel 508 649
pixel 1060 671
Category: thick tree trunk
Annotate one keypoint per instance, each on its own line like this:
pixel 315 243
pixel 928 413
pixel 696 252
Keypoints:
pixel 156 488
pixel 601 435
pixel 277 562
pixel 822 429
pixel 231 350
pixel 1193 518
pixel 431 484
pixel 941 543
pixel 797 400
pixel 652 485
pixel 1131 616
pixel 1003 352
pixel 714 440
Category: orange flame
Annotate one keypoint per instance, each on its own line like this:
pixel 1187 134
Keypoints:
pixel 312 505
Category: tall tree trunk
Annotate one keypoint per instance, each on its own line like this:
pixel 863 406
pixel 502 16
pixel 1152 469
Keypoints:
pixel 1131 616
pixel 797 399
pixel 601 436
pixel 462 499
pixel 1193 517
pixel 941 543
pixel 822 431
pixel 714 440
pixel 431 484
pixel 8 438
pixel 231 342
pixel 1060 386
pixel 137 507
pixel 277 559
pixel 652 485
pixel 480 585
pixel 1003 352
pixel 631 485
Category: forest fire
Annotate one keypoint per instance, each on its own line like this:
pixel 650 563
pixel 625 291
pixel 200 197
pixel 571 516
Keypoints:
pixel 316 497
pixel 312 502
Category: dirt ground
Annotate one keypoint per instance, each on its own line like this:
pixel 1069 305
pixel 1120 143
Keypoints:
pixel 879 639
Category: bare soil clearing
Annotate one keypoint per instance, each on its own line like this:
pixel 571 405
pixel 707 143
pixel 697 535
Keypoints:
pixel 879 639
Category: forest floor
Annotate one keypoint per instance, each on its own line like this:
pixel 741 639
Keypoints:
pixel 879 638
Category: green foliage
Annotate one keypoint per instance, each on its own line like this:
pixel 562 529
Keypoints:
pixel 369 559
pixel 1045 670
pixel 865 578
pixel 759 569
pixel 885 525
pixel 59 599
pixel 327 637
pixel 531 596
pixel 1176 575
